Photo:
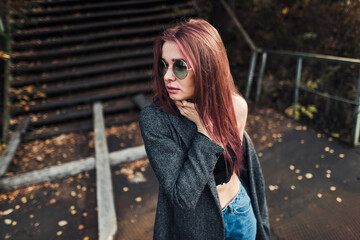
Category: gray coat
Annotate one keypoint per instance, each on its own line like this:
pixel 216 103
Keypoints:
pixel 183 160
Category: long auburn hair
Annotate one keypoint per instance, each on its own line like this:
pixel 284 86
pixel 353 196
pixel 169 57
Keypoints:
pixel 204 51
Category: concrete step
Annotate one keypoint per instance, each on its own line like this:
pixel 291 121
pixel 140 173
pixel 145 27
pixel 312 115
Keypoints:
pixel 84 50
pixel 59 104
pixel 98 59
pixel 89 84
pixel 88 39
pixel 102 16
pixel 65 76
pixel 97 6
pixel 92 27
pixel 75 115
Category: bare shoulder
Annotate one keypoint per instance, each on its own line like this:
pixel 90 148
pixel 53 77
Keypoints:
pixel 241 111
pixel 240 106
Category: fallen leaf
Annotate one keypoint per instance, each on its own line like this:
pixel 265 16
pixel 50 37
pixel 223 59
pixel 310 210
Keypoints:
pixel 300 178
pixel 297 171
pixel 23 200
pixel 327 149
pixel 341 155
pixel 333 188
pixel 308 175
pixel 125 189
pixel 319 195
pixel 138 199
pixel 62 223
pixel 328 175
pixel 7 221
pixel 80 227
pixel 339 199
pixel 273 187
pixel 86 238
pixel 292 187
pixel 59 233
pixel 14 223
pixel 292 167
pixel 52 201
pixel 7 212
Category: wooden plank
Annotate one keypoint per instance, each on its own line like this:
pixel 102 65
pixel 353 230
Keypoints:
pixel 10 151
pixel 47 174
pixel 107 223
pixel 128 155
pixel 69 169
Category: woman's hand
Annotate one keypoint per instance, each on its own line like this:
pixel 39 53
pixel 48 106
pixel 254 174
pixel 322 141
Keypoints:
pixel 188 110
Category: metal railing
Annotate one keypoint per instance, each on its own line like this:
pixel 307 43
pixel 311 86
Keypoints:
pixel 300 56
pixel 4 83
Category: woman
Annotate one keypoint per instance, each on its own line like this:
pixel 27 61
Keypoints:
pixel 193 135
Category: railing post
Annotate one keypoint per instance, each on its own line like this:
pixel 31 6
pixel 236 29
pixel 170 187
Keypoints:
pixel 261 76
pixel 298 77
pixel 356 132
pixel 251 74
pixel 4 81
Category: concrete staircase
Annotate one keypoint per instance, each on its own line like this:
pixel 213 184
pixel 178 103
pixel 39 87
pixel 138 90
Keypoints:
pixel 75 52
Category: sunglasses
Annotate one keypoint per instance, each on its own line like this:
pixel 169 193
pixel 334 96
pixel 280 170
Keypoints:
pixel 180 68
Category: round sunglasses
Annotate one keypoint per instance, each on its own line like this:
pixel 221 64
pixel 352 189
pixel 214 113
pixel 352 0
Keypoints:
pixel 180 68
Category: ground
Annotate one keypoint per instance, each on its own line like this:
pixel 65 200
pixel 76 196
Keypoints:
pixel 67 208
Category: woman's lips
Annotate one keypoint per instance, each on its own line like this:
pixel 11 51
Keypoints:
pixel 172 89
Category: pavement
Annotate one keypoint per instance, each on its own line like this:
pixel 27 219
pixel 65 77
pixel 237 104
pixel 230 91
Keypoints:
pixel 313 187
pixel 313 192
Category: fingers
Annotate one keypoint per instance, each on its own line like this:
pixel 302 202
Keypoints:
pixel 182 103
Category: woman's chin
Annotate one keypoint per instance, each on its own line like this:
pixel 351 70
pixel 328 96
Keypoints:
pixel 177 98
pixel 180 98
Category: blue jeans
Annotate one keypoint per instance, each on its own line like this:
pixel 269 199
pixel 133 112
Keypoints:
pixel 239 217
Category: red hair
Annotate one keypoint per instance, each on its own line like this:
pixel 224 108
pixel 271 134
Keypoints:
pixel 204 50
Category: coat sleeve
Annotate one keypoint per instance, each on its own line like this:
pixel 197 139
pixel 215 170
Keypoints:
pixel 253 178
pixel 182 173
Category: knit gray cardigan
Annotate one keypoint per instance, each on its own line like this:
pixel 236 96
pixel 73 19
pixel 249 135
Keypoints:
pixel 183 161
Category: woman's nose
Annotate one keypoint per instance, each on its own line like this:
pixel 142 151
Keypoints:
pixel 169 75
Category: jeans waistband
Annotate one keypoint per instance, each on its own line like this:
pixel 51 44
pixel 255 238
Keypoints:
pixel 232 200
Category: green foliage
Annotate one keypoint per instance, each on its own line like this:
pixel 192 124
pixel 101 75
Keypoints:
pixel 308 35
pixel 327 27
pixel 312 84
pixel 307 111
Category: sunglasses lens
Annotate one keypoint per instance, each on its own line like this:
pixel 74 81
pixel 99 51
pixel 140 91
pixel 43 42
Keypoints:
pixel 162 68
pixel 180 69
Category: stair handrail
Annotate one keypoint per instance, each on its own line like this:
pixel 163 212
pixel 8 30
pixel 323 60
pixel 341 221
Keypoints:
pixel 4 81
pixel 300 56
